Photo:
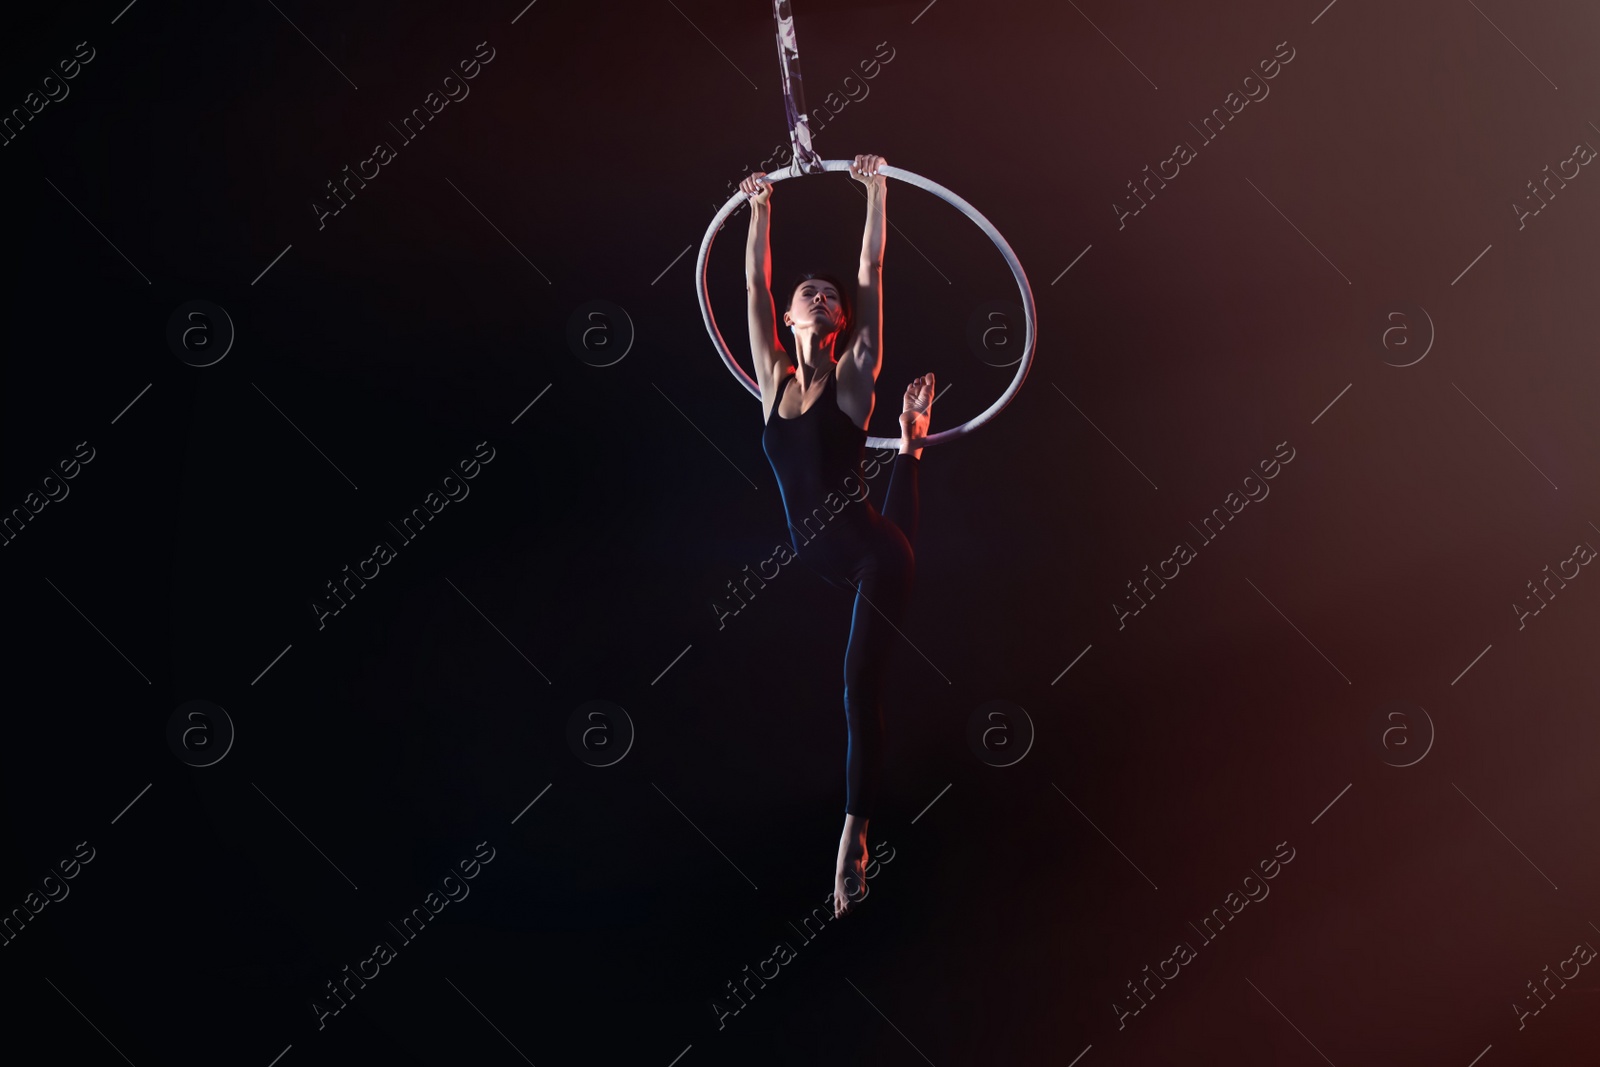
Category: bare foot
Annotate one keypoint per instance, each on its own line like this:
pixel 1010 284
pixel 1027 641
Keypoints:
pixel 850 875
pixel 914 417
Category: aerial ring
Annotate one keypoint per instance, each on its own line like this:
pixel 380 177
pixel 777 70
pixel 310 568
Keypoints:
pixel 942 193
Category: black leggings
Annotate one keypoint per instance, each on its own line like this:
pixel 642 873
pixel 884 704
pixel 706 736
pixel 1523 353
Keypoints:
pixel 882 577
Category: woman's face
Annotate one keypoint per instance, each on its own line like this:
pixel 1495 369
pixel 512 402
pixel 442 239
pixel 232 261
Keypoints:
pixel 816 304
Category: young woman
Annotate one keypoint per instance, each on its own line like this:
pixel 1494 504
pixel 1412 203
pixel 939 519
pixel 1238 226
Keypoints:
pixel 817 398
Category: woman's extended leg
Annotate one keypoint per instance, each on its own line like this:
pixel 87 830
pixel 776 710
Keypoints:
pixel 883 594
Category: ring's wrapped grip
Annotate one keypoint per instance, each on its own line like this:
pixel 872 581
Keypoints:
pixel 805 158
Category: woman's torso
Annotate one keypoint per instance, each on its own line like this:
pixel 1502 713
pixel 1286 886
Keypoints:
pixel 817 457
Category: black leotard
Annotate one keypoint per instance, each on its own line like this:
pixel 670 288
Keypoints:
pixel 817 457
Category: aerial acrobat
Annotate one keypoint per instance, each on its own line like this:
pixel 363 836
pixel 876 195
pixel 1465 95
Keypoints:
pixel 817 401
pixel 816 432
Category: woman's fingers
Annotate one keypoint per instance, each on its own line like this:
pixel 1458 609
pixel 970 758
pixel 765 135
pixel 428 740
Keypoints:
pixel 867 166
pixel 756 186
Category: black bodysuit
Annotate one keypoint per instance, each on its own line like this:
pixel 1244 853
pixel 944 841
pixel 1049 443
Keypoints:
pixel 817 457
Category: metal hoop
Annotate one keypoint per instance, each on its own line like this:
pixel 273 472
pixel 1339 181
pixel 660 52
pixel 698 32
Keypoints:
pixel 937 190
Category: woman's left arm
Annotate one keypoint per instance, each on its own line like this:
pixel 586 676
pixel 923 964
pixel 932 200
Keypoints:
pixel 866 344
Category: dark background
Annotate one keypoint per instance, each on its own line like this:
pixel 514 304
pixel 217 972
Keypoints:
pixel 1175 754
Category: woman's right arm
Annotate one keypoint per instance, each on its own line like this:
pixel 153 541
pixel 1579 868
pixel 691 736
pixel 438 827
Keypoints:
pixel 766 350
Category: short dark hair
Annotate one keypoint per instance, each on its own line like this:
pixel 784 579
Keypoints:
pixel 831 279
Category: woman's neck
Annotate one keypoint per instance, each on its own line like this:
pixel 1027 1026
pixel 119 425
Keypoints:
pixel 814 358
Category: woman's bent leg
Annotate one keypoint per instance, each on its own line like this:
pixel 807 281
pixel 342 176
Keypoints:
pixel 902 501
